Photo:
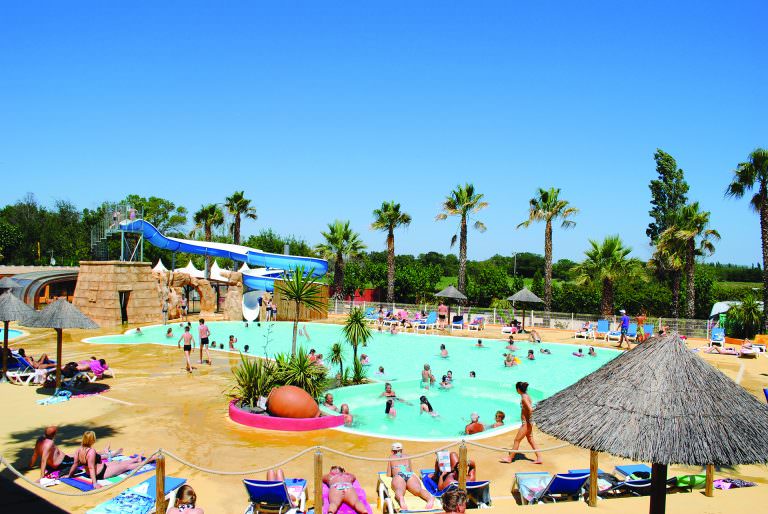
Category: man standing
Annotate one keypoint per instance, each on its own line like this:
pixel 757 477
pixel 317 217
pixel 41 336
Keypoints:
pixel 624 327
pixel 442 315
pixel 204 333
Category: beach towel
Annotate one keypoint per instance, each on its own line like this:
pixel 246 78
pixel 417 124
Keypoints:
pixel 346 509
pixel 139 499
pixel 83 482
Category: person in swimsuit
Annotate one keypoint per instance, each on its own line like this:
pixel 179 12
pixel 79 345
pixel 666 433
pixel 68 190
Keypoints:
pixel 531 356
pixel 403 478
pixel 499 419
pixel 232 341
pixel 511 344
pixel 592 352
pixel 443 352
pixel 425 406
pixel 389 408
pixel 479 343
pixel 42 363
pixel 189 343
pixel 442 315
pixel 184 307
pixel 534 336
pixel 328 403
pixel 445 383
pixel 427 378
pixel 341 490
pixel 526 429
pixel 204 333
pixel 454 501
pixel 51 457
pixel 97 470
pixel 474 426
pixel 445 478
pixel 344 411
pixel 169 332
pixel 186 501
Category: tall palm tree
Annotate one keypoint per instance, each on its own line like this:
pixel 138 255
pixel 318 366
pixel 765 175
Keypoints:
pixel 547 206
pixel 240 207
pixel 463 202
pixel 356 330
pixel 297 287
pixel 667 262
pixel 689 232
pixel 341 242
pixel 388 218
pixel 604 263
pixel 749 175
pixel 206 219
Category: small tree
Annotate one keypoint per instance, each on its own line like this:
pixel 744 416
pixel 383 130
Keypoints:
pixel 337 357
pixel 297 287
pixel 356 330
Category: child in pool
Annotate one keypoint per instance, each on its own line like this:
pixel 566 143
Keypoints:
pixel 479 343
pixel 531 355
pixel 592 352
pixel 579 353
pixel 443 351
pixel 389 409
pixel 425 406
pixel 380 371
pixel 445 383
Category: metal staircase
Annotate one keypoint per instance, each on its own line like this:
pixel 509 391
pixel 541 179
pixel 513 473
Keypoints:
pixel 108 226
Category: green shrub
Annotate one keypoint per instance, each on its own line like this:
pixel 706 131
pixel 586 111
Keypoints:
pixel 253 378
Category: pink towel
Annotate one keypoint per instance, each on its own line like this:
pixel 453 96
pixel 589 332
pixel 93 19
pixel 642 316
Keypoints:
pixel 346 509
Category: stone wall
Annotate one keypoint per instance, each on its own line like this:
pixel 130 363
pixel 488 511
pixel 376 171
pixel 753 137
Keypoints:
pixel 99 284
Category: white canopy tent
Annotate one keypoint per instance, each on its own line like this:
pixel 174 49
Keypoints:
pixel 190 270
pixel 160 267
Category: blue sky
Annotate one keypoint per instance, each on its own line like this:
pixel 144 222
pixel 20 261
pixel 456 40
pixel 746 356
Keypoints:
pixel 321 110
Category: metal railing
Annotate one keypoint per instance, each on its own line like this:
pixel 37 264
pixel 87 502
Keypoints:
pixel 571 321
pixel 108 225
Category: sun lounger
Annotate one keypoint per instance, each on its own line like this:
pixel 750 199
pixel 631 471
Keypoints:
pixel 346 509
pixel 477 324
pixel 586 334
pixel 639 471
pixel 605 481
pixel 370 315
pixel 427 324
pixel 140 499
pixel 457 323
pixel 389 504
pixel 276 496
pixel 478 491
pixel 603 327
pixel 540 486
pixel 615 335
pixel 717 337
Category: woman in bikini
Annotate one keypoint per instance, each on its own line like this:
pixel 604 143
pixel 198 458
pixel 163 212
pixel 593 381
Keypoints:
pixel 341 490
pixel 526 429
pixel 403 478
pixel 88 457
pixel 189 343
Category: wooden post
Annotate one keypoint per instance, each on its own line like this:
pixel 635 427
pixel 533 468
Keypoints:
pixel 708 486
pixel 462 466
pixel 3 377
pixel 658 488
pixel 592 498
pixel 58 358
pixel 160 503
pixel 318 481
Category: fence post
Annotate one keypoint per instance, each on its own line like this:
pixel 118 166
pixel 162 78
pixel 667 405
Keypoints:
pixel 708 489
pixel 494 315
pixel 318 481
pixel 573 327
pixel 160 503
pixel 592 498
pixel 532 319
pixel 462 466
pixel 335 305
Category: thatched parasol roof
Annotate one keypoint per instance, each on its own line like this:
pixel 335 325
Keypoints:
pixel 525 295
pixel 661 403
pixel 451 292
pixel 13 309
pixel 60 314
pixel 8 283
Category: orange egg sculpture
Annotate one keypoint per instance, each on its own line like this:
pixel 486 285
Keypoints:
pixel 291 402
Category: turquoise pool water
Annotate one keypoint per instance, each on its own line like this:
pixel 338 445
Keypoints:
pixel 403 357
pixel 12 334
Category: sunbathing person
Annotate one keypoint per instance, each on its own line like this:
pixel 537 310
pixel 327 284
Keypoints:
pixel 95 468
pixel 94 365
pixel 186 501
pixel 42 363
pixel 445 478
pixel 51 457
pixel 277 475
pixel 342 491
pixel 534 337
pixel 403 478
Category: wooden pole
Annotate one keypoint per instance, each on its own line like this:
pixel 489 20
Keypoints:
pixel 709 484
pixel 160 503
pixel 58 358
pixel 3 377
pixel 658 488
pixel 462 466
pixel 592 499
pixel 318 481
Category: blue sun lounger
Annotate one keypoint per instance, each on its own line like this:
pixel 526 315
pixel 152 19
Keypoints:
pixel 603 327
pixel 478 491
pixel 539 486
pixel 717 337
pixel 637 480
pixel 275 496
pixel 630 470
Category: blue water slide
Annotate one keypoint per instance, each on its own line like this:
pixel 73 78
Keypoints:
pixel 275 263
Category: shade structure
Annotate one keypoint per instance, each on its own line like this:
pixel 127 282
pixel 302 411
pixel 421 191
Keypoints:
pixel 8 283
pixel 11 309
pixel 660 403
pixel 160 267
pixel 452 293
pixel 525 296
pixel 59 315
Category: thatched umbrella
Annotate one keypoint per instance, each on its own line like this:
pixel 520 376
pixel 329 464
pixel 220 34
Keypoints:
pixel 451 293
pixel 59 315
pixel 525 296
pixel 8 283
pixel 659 403
pixel 11 309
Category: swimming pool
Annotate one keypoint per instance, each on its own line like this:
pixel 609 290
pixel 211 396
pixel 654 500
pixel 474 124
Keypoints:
pixel 403 357
pixel 12 334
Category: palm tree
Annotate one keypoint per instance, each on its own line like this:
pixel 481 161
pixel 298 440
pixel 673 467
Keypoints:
pixel 690 234
pixel 341 242
pixel 356 330
pixel 388 218
pixel 745 318
pixel 297 287
pixel 604 263
pixel 750 175
pixel 463 202
pixel 337 357
pixel 240 207
pixel 547 206
pixel 208 217
pixel 667 262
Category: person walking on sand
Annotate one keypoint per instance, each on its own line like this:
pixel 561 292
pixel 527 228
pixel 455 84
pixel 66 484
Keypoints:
pixel 624 327
pixel 189 344
pixel 204 332
pixel 526 429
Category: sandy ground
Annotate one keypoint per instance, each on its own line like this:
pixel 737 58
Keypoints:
pixel 153 403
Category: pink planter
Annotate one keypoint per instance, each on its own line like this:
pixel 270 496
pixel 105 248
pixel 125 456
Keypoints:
pixel 283 424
